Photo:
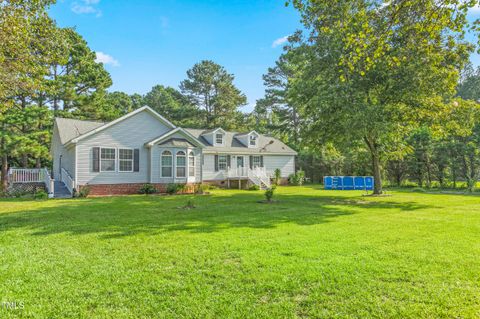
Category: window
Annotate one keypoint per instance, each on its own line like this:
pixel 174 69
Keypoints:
pixel 253 140
pixel 167 164
pixel 181 164
pixel 191 164
pixel 125 160
pixel 219 138
pixel 257 161
pixel 107 160
pixel 222 162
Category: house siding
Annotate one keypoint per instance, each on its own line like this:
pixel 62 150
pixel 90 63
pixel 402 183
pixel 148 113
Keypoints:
pixel 67 154
pixel 133 133
pixel 286 164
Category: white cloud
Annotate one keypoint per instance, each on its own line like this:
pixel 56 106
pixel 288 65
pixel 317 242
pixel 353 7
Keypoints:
pixel 86 7
pixel 280 41
pixel 475 9
pixel 106 59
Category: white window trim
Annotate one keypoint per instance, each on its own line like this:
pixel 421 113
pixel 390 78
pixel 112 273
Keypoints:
pixel 249 140
pixel 259 161
pixel 118 159
pixel 161 163
pixel 191 154
pixel 114 160
pixel 226 163
pixel 215 139
pixel 184 166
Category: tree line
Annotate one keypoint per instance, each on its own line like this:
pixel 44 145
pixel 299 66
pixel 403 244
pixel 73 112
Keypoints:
pixel 367 88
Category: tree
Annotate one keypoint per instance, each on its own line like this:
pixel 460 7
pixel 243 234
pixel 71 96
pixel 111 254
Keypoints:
pixel 278 98
pixel 469 86
pixel 374 71
pixel 27 37
pixel 210 87
pixel 75 78
pixel 173 105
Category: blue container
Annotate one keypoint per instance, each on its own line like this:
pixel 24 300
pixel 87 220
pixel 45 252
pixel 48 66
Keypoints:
pixel 328 182
pixel 348 182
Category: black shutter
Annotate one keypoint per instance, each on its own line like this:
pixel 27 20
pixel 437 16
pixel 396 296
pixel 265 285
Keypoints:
pixel 216 163
pixel 228 161
pixel 251 161
pixel 96 159
pixel 261 161
pixel 136 160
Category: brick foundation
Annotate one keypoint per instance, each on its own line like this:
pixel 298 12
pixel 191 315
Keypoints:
pixel 128 189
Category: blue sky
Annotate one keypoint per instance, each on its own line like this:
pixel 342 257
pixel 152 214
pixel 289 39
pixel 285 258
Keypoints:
pixel 144 43
pixel 148 42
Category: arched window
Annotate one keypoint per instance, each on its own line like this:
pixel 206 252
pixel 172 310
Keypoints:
pixel 167 162
pixel 191 164
pixel 181 164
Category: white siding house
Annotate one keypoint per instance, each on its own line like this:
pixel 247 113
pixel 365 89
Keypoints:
pixel 143 147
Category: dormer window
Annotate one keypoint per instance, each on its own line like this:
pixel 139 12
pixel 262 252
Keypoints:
pixel 253 140
pixel 219 138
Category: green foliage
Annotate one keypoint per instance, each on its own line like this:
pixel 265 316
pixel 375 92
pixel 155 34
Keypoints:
pixel 373 72
pixel 147 189
pixel 254 187
pixel 173 105
pixel 210 88
pixel 174 188
pixel 41 195
pixel 269 192
pixel 83 192
pixel 297 178
pixel 277 176
pixel 201 189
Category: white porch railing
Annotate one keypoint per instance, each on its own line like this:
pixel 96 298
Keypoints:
pixel 32 175
pixel 257 175
pixel 237 172
pixel 68 180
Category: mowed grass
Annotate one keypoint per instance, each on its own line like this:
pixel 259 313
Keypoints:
pixel 314 253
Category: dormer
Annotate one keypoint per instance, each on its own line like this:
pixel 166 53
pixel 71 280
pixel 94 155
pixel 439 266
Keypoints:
pixel 215 137
pixel 250 139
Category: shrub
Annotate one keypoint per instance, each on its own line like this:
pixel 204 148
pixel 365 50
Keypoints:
pixel 254 187
pixel 277 176
pixel 175 188
pixel 40 195
pixel 147 189
pixel 83 192
pixel 418 190
pixel 201 189
pixel 297 178
pixel 269 193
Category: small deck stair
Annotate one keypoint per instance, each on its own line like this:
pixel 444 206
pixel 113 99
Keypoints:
pixel 61 191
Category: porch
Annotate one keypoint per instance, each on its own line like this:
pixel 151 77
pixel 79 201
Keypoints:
pixel 24 178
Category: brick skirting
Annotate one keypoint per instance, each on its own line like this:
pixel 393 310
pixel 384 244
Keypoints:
pixel 128 189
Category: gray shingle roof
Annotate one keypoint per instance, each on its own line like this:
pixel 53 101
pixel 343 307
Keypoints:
pixel 70 128
pixel 266 144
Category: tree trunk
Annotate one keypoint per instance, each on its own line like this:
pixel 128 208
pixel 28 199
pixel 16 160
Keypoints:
pixel 4 182
pixel 376 167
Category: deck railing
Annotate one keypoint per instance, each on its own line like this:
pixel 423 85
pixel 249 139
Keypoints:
pixel 257 175
pixel 32 175
pixel 68 180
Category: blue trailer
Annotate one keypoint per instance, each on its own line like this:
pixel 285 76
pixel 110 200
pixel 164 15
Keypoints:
pixel 348 183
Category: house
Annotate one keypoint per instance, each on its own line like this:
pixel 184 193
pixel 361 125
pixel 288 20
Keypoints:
pixel 144 147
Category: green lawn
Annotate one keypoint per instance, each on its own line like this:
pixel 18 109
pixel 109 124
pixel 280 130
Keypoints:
pixel 314 253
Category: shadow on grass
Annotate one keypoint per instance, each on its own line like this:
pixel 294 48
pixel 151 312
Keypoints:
pixel 127 216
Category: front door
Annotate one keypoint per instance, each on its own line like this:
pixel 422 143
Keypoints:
pixel 240 166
